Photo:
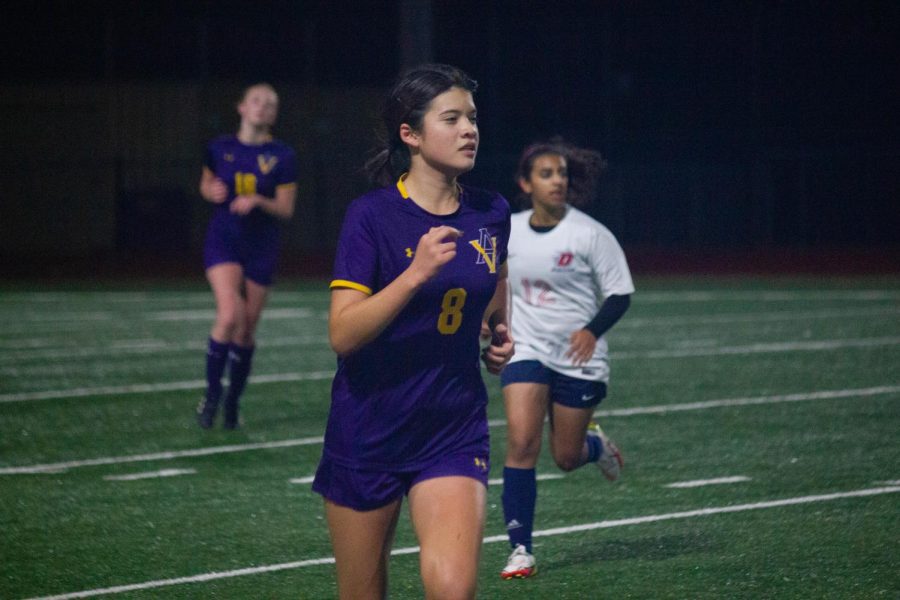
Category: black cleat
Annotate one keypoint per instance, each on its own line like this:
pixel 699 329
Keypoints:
pixel 230 414
pixel 206 412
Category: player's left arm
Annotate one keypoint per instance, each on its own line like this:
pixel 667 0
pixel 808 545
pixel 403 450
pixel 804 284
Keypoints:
pixel 583 342
pixel 495 324
pixel 281 206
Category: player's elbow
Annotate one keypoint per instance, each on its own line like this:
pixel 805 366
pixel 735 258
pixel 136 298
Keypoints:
pixel 341 341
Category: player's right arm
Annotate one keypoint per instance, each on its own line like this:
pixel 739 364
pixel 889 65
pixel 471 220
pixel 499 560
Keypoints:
pixel 356 318
pixel 212 188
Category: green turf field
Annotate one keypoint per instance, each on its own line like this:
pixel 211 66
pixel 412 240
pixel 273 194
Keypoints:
pixel 786 391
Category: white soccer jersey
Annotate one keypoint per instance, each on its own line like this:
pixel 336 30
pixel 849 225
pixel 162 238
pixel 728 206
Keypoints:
pixel 559 280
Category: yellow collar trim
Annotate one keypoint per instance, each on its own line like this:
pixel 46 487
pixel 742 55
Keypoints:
pixel 403 191
pixel 402 187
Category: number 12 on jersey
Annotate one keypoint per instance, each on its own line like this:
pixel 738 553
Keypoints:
pixel 537 292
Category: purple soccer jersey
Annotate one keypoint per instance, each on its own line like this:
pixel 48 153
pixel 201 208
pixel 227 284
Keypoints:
pixel 415 392
pixel 251 240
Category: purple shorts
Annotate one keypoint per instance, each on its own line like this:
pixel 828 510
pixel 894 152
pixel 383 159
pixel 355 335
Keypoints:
pixel 565 390
pixel 228 242
pixel 368 490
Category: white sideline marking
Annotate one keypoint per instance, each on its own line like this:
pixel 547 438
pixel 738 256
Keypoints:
pixel 143 388
pixel 702 482
pixel 150 474
pixel 621 412
pixel 702 512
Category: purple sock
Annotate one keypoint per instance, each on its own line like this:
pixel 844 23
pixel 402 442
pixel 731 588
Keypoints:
pixel 216 359
pixel 239 371
pixel 519 497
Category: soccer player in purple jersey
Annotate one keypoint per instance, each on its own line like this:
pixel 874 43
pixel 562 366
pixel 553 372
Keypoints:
pixel 251 178
pixel 420 270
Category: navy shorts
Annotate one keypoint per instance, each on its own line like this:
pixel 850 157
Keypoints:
pixel 565 390
pixel 257 255
pixel 368 490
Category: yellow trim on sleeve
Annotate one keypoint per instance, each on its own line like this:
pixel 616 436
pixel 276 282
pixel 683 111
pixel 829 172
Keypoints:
pixel 343 283
pixel 292 184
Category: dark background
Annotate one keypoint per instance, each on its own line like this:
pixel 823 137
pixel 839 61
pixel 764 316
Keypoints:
pixel 741 136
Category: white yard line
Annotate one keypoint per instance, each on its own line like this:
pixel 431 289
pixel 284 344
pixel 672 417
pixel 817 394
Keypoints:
pixel 499 481
pixel 768 348
pixel 46 348
pixel 150 475
pixel 622 412
pixel 764 296
pixel 144 347
pixel 630 322
pixel 749 401
pixel 704 482
pixel 544 477
pixel 166 455
pixel 143 388
pixel 271 314
pixel 753 317
pixel 690 514
pixel 287 296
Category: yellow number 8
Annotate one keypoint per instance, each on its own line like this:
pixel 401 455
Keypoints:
pixel 451 311
pixel 244 184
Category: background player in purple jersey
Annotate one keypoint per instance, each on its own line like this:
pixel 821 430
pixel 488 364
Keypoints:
pixel 420 268
pixel 570 283
pixel 251 178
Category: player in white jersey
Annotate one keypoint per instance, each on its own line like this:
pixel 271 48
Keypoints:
pixel 570 283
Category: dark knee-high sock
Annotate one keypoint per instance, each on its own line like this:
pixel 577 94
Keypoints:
pixel 239 371
pixel 519 497
pixel 594 448
pixel 216 359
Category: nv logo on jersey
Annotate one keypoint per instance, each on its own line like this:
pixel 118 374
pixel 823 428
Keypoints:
pixel 266 162
pixel 486 246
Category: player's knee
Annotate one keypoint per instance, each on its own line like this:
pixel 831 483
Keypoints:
pixel 449 584
pixel 568 461
pixel 522 448
pixel 228 319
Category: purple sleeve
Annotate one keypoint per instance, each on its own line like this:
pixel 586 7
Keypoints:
pixel 356 260
pixel 288 171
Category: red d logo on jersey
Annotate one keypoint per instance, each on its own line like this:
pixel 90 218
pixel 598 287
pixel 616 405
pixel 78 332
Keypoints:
pixel 565 259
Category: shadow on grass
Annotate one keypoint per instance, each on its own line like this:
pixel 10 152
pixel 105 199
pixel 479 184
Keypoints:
pixel 647 548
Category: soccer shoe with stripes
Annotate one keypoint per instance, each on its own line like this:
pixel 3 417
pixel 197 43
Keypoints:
pixel 520 564
pixel 610 462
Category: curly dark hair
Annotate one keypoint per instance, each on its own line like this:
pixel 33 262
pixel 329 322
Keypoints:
pixel 408 102
pixel 585 166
